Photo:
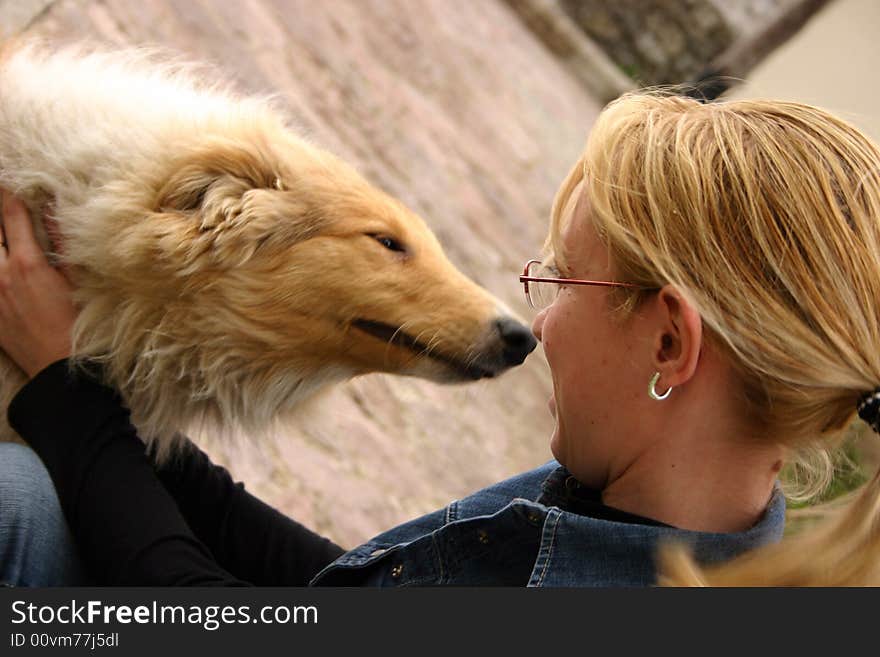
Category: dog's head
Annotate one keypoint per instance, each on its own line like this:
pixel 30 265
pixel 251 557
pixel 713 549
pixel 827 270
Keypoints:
pixel 275 268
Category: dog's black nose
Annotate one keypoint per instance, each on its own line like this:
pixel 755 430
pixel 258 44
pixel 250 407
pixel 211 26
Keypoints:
pixel 518 340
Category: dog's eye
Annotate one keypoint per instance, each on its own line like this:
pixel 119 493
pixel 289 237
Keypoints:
pixel 389 243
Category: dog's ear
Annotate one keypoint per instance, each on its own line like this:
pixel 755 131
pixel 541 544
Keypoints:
pixel 185 191
pixel 230 201
pixel 216 168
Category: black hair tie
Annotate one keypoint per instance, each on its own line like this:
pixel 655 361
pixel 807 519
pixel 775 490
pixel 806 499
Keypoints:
pixel 869 409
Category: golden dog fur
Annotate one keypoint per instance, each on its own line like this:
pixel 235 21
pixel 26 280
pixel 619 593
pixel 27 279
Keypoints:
pixel 225 267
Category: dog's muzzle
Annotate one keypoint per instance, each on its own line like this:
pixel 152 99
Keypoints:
pixel 509 343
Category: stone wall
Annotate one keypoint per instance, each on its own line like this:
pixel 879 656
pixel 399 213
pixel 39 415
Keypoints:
pixel 654 41
pixel 16 15
pixel 615 46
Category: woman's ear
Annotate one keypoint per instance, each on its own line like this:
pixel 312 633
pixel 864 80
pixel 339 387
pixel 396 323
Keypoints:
pixel 678 338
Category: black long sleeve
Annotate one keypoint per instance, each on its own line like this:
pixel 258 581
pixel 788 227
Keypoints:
pixel 187 524
pixel 246 535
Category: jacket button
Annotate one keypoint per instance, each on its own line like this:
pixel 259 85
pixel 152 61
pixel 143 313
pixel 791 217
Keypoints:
pixel 483 536
pixel 397 571
pixel 534 517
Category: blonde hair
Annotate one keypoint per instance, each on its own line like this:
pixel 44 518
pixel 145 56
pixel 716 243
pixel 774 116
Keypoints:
pixel 766 215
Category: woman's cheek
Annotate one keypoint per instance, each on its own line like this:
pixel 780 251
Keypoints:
pixel 548 337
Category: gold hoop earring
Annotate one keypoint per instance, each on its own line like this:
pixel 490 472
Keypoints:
pixel 652 391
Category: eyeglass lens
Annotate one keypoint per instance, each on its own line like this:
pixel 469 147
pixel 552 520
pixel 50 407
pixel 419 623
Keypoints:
pixel 542 295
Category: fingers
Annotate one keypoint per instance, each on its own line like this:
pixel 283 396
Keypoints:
pixel 18 231
pixel 37 312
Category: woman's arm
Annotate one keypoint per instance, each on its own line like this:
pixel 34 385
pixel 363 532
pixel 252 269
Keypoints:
pixel 197 528
pixel 194 530
pixel 128 528
pixel 232 523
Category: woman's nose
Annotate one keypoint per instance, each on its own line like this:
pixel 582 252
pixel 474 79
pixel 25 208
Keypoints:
pixel 538 324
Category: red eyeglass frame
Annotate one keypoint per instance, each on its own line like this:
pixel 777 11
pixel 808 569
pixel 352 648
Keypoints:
pixel 525 279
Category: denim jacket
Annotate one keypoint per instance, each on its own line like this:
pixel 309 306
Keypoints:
pixel 523 531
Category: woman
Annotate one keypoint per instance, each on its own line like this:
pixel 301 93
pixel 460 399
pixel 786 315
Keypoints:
pixel 711 284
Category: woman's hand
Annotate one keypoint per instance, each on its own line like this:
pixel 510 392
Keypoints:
pixel 36 301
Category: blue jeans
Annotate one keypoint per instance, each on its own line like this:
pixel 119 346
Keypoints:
pixel 36 547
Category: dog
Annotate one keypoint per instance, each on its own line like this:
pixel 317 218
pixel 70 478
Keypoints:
pixel 225 267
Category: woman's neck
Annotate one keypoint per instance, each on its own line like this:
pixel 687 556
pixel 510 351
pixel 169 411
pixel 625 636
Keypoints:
pixel 699 482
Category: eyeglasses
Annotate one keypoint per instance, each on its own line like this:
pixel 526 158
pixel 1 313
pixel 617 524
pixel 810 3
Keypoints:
pixel 541 290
